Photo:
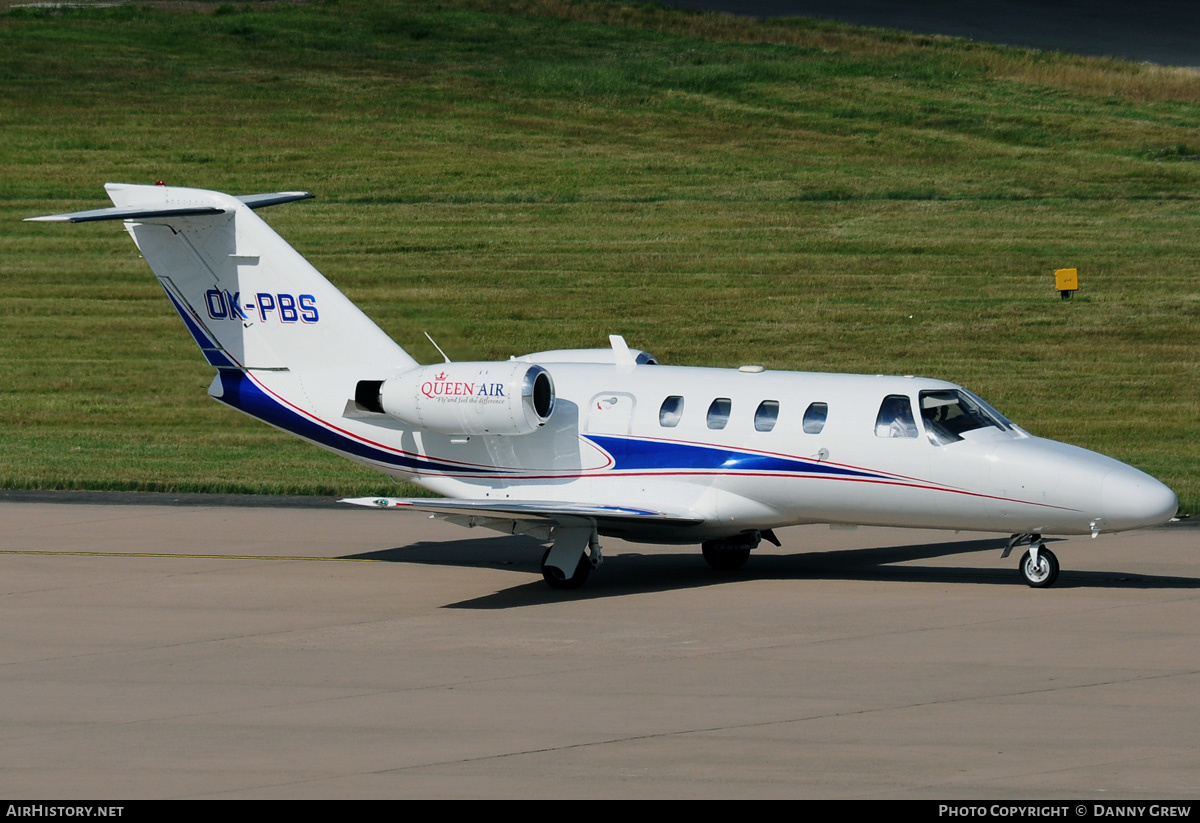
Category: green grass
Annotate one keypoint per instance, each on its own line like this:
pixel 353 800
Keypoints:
pixel 521 176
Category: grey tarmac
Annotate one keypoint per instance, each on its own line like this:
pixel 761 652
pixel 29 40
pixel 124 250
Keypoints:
pixel 239 651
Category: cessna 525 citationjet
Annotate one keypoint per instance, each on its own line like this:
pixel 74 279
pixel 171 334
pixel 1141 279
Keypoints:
pixel 574 444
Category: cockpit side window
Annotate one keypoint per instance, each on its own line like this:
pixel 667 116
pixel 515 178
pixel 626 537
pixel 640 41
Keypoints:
pixel 671 411
pixel 814 417
pixel 895 417
pixel 718 412
pixel 948 413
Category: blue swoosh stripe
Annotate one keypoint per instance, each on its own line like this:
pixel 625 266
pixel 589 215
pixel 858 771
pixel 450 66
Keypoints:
pixel 198 334
pixel 632 454
pixel 240 392
pixel 217 358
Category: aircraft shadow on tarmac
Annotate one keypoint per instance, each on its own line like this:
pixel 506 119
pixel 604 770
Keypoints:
pixel 647 571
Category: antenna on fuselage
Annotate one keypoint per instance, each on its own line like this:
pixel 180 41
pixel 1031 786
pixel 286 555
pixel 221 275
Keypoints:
pixel 622 356
pixel 436 346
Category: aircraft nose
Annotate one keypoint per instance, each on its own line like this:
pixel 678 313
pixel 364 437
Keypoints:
pixel 1133 500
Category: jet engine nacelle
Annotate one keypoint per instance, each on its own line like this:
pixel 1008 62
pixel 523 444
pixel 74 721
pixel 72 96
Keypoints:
pixel 470 398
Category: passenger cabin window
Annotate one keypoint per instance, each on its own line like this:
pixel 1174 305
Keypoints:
pixel 718 412
pixel 895 417
pixel 671 411
pixel 950 412
pixel 766 415
pixel 814 417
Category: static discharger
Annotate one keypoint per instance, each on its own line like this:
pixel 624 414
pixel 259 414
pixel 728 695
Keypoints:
pixel 1067 282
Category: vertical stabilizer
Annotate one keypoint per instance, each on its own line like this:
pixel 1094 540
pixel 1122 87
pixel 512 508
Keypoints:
pixel 249 299
pixel 290 349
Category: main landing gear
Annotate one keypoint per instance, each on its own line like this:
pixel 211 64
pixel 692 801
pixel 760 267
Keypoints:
pixel 731 553
pixel 555 579
pixel 1039 566
pixel 576 548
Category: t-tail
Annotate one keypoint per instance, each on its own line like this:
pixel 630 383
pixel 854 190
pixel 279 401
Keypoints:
pixel 288 346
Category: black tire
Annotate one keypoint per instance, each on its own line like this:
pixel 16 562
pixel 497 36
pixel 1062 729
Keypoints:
pixel 1044 574
pixel 722 558
pixel 555 580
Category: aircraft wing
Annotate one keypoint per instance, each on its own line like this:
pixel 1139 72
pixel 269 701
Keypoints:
pixel 529 516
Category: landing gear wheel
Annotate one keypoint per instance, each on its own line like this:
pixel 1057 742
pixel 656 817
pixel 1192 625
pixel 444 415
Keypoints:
pixel 1042 574
pixel 724 559
pixel 555 580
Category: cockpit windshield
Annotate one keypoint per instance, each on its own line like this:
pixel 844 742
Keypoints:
pixel 950 412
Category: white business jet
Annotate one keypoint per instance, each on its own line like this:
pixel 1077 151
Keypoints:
pixel 571 445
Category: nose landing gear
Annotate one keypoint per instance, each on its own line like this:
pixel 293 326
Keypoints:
pixel 1039 570
pixel 1039 566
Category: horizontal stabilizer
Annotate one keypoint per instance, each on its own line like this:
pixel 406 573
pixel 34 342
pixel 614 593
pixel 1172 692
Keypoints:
pixel 125 213
pixel 150 210
pixel 261 201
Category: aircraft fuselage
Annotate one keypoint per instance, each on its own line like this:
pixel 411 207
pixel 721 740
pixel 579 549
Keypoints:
pixel 609 439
